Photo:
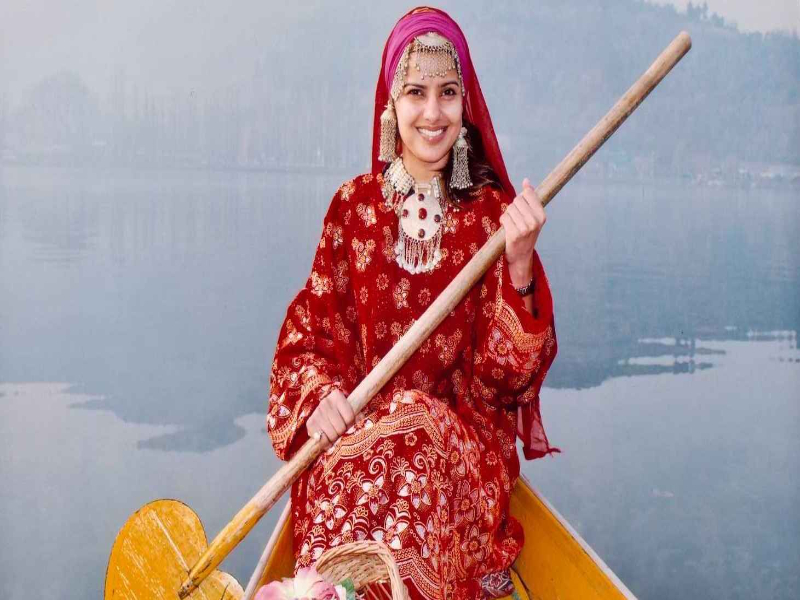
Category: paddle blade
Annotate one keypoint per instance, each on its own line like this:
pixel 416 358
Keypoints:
pixel 154 551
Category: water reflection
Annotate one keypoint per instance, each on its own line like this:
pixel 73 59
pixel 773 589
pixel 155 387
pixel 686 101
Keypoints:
pixel 72 478
pixel 687 486
pixel 159 295
pixel 163 291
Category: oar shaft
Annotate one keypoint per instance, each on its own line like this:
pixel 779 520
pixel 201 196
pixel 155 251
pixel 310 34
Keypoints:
pixel 246 519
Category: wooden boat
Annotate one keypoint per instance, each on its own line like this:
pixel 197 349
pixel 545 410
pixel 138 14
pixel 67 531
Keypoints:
pixel 556 563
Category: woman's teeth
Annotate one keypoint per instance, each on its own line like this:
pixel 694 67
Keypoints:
pixel 430 134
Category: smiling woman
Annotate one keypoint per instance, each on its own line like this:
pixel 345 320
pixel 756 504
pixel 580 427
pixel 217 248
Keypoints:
pixel 429 110
pixel 429 465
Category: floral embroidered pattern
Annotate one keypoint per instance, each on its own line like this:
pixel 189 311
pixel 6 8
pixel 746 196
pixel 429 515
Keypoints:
pixel 388 244
pixel 367 214
pixel 340 277
pixel 320 284
pixel 346 190
pixel 401 293
pixel 450 223
pixel 447 346
pixel 489 226
pixel 335 233
pixel 363 253
pixel 429 464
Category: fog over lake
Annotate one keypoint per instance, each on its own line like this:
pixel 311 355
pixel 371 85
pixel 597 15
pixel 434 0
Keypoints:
pixel 153 235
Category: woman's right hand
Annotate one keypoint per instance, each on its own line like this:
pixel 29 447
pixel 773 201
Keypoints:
pixel 332 417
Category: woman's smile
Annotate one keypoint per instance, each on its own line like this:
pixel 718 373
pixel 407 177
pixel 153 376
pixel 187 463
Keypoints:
pixel 434 136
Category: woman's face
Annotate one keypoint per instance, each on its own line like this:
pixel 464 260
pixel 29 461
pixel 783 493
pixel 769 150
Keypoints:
pixel 428 118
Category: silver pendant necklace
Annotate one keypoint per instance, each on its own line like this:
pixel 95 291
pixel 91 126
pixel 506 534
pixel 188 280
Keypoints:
pixel 420 210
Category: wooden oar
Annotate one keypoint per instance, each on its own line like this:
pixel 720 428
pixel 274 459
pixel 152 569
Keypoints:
pixel 248 516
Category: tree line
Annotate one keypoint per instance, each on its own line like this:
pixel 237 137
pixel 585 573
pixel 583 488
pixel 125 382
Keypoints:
pixel 733 100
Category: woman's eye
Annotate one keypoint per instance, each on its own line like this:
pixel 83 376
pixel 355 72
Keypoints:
pixel 449 92
pixel 415 92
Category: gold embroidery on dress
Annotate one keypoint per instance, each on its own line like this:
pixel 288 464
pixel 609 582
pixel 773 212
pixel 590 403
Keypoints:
pixel 400 293
pixel 397 330
pixel 450 223
pixel 382 281
pixel 445 253
pixel 363 253
pixel 489 226
pixel 340 277
pixel 425 347
pixel 367 214
pixel 341 332
pixel 326 325
pixel 320 284
pixel 337 236
pixel 508 342
pixel 346 190
pixel 388 244
pixel 292 335
pixel 447 346
pixel 422 381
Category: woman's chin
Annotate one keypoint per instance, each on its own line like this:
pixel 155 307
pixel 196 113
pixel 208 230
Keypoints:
pixel 432 155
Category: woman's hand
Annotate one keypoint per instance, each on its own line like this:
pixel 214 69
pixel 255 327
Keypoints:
pixel 332 417
pixel 522 221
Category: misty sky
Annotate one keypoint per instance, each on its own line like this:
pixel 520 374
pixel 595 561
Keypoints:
pixel 184 43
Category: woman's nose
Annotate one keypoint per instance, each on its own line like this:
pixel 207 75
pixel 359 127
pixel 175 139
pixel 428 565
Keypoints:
pixel 432 108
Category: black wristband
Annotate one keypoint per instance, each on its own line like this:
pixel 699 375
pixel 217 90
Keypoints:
pixel 527 289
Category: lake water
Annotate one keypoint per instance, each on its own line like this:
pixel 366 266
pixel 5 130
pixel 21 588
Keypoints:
pixel 139 312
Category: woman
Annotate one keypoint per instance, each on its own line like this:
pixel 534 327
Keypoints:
pixel 428 466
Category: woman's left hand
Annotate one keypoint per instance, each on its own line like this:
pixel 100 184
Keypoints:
pixel 522 222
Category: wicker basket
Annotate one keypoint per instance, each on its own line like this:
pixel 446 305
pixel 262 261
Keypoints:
pixel 363 563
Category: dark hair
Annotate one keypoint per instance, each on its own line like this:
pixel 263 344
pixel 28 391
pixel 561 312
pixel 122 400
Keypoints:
pixel 480 171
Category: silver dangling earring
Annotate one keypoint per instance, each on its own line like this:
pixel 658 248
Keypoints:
pixel 388 141
pixel 460 178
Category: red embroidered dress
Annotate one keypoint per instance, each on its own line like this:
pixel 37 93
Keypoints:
pixel 429 464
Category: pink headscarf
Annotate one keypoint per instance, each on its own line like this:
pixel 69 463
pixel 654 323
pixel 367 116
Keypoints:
pixel 420 21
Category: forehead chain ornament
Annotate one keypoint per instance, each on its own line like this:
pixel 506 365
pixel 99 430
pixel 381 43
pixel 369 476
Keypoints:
pixel 435 57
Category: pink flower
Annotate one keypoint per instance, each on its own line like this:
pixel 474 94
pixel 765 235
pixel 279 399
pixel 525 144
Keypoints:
pixel 306 585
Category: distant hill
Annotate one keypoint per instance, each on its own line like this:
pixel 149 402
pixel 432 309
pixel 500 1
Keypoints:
pixel 549 70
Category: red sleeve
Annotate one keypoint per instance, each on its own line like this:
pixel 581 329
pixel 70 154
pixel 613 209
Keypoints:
pixel 515 348
pixel 318 346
